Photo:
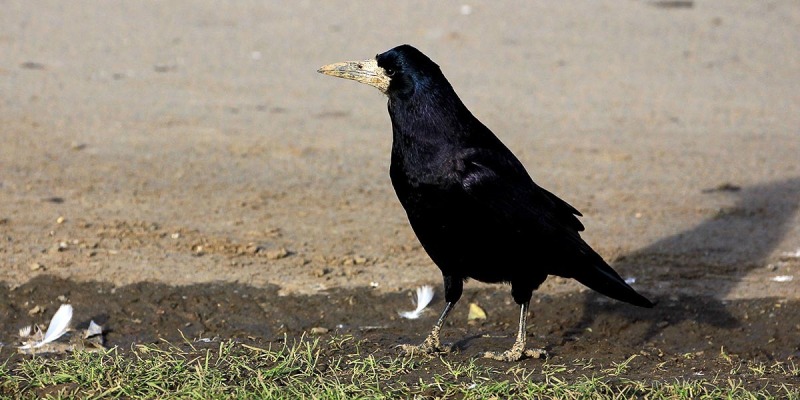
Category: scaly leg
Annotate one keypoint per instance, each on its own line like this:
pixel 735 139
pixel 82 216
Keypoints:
pixel 432 344
pixel 517 351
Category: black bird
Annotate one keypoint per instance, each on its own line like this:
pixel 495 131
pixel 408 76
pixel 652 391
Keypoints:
pixel 474 208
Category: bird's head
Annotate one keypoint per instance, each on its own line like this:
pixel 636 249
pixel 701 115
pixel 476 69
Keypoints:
pixel 400 70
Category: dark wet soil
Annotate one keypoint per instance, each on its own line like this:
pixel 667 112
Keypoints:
pixel 683 337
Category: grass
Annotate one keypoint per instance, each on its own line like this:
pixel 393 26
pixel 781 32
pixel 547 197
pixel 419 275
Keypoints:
pixel 340 367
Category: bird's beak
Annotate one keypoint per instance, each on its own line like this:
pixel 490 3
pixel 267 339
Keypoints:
pixel 366 71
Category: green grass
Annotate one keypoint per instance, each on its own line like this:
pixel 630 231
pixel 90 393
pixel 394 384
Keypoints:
pixel 340 367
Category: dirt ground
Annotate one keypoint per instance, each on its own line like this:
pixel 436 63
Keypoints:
pixel 181 165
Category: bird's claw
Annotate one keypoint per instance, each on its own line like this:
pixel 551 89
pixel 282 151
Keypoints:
pixel 515 354
pixel 431 345
pixel 425 348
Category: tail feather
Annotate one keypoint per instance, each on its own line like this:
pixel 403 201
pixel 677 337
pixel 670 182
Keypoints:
pixel 599 276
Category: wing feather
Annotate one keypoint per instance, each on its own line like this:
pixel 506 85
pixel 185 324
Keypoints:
pixel 507 192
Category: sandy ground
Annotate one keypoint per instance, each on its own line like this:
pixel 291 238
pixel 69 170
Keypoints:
pixel 190 142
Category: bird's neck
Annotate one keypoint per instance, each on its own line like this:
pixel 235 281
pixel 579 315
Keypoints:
pixel 426 132
pixel 431 117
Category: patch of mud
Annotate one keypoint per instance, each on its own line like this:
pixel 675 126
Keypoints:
pixel 684 336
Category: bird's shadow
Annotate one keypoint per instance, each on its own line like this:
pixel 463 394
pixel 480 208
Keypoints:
pixel 463 344
pixel 721 250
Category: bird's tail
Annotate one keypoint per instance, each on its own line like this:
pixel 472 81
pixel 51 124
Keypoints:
pixel 599 276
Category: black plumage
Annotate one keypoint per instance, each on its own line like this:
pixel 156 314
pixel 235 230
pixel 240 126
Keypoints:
pixel 469 200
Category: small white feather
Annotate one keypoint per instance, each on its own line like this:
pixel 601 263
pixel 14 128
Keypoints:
pixel 792 254
pixel 33 336
pixel 25 332
pixel 424 297
pixel 93 330
pixel 58 325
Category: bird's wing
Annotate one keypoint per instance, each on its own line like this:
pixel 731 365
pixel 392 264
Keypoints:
pixel 501 187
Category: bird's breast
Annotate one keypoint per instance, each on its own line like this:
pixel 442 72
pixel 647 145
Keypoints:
pixel 424 177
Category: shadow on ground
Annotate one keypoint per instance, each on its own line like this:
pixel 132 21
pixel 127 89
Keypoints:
pixel 711 258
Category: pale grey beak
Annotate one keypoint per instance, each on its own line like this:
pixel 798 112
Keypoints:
pixel 366 71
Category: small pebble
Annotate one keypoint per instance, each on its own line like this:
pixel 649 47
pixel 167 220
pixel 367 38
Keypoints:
pixel 32 65
pixel 318 330
pixel 321 272
pixel 277 254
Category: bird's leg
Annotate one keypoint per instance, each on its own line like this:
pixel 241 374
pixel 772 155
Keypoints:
pixel 432 344
pixel 517 351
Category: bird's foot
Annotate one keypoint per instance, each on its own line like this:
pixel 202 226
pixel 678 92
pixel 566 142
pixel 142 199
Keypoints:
pixel 516 354
pixel 425 349
pixel 430 346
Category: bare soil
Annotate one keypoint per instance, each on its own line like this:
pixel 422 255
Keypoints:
pixel 684 337
pixel 182 167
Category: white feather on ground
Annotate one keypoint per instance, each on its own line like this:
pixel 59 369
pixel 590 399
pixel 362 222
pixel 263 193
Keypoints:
pixel 93 330
pixel 57 328
pixel 26 331
pixel 424 297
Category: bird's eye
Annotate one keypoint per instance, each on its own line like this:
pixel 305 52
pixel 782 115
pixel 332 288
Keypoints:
pixel 389 72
